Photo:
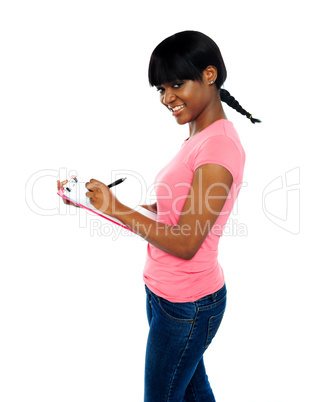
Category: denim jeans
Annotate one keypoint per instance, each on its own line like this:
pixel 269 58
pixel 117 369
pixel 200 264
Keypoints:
pixel 179 335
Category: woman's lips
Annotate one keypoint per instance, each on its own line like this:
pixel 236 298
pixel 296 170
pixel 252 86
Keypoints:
pixel 176 109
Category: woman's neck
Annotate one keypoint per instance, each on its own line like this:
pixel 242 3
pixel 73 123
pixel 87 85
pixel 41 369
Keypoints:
pixel 213 113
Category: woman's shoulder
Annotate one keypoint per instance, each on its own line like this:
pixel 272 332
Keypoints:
pixel 220 132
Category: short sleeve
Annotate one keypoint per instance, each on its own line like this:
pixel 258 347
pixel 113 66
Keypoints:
pixel 220 150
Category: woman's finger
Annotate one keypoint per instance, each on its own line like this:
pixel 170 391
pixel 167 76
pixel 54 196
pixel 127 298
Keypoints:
pixel 92 186
pixel 61 184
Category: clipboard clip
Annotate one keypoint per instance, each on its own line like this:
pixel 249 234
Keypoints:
pixel 70 184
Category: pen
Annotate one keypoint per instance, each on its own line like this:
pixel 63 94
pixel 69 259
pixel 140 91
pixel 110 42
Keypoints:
pixel 116 182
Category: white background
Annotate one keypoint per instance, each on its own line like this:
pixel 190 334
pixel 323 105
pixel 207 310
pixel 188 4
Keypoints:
pixel 74 96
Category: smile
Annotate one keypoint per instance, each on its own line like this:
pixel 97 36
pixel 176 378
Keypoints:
pixel 176 109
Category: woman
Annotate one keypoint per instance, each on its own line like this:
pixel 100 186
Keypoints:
pixel 196 191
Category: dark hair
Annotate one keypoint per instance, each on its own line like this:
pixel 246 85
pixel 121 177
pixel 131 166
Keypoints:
pixel 185 55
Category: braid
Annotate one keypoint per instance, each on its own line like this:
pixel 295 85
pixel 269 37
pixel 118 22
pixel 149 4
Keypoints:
pixel 232 102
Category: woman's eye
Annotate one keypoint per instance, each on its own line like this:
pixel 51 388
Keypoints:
pixel 178 84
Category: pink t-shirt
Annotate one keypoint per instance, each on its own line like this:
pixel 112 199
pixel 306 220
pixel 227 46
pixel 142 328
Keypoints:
pixel 171 277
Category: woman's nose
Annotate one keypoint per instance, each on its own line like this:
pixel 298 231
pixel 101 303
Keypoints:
pixel 168 96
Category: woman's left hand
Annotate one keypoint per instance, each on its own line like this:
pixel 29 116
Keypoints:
pixel 101 197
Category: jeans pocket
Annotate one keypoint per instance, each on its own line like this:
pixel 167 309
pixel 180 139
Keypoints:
pixel 213 325
pixel 180 312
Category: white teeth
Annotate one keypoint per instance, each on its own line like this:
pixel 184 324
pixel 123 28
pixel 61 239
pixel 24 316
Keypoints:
pixel 174 109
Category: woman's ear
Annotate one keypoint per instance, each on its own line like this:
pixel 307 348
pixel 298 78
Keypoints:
pixel 210 74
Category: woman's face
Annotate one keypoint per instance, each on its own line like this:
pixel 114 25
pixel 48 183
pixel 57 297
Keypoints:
pixel 187 100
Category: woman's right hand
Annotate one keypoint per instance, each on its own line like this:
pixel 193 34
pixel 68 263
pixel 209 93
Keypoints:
pixel 59 186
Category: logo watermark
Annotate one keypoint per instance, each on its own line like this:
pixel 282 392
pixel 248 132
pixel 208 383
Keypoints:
pixel 281 201
pixel 280 204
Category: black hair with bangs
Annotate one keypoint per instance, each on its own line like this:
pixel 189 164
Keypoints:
pixel 184 56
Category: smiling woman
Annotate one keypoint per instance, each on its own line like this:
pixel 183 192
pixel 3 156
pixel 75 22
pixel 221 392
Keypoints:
pixel 195 192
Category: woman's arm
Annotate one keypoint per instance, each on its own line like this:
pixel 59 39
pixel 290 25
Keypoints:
pixel 208 193
pixel 150 207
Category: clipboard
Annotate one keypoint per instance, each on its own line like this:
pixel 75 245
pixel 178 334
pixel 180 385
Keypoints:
pixel 75 192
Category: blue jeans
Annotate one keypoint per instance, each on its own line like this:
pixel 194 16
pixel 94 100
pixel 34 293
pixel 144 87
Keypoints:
pixel 179 335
